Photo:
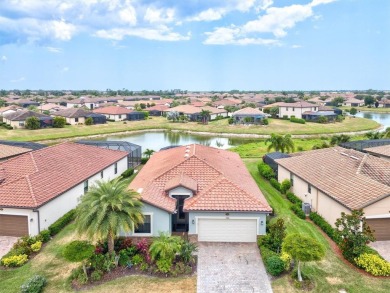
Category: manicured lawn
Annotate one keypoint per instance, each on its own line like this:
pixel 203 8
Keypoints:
pixel 220 126
pixel 329 275
pixel 50 263
pixel 366 109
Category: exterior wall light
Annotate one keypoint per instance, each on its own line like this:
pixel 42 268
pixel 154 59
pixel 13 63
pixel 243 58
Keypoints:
pixel 193 221
pixel 261 223
pixel 31 219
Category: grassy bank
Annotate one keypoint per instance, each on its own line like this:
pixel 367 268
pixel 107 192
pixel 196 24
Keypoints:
pixel 331 274
pixel 220 126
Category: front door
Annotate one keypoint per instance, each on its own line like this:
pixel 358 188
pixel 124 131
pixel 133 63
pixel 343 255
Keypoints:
pixel 180 219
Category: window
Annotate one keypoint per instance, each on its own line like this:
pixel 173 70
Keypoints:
pixel 292 179
pixel 315 109
pixel 293 109
pixel 286 108
pixel 309 188
pixel 76 119
pixel 116 168
pixel 120 116
pixel 85 186
pixel 146 227
pixel 21 123
pixel 101 175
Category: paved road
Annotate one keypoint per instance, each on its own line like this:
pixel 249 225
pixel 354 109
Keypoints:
pixel 231 267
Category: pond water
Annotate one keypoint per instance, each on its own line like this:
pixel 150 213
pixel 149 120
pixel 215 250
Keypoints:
pixel 382 118
pixel 158 140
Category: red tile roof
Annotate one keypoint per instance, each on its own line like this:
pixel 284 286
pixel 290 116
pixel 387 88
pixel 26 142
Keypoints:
pixel 249 111
pixel 32 179
pixel 222 181
pixel 10 151
pixel 383 150
pixel 112 110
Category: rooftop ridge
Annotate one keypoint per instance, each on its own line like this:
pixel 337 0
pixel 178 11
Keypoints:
pixel 27 178
pixel 362 163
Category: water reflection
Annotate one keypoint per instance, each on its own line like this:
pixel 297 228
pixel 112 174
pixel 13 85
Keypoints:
pixel 382 118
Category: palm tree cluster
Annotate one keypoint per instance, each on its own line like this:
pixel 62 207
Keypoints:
pixel 281 143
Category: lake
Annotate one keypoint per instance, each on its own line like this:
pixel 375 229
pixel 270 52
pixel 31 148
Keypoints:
pixel 158 140
pixel 382 118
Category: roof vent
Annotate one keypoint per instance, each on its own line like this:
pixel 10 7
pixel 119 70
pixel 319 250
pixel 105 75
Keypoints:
pixel 188 147
pixel 186 155
pixel 187 150
pixel 353 157
pixel 344 154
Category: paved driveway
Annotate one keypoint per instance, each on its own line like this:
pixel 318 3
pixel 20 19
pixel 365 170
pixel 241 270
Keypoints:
pixel 231 267
pixel 383 247
pixel 6 243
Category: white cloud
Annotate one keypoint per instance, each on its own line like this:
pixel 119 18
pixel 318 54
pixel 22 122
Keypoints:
pixel 128 15
pixel 54 50
pixel 4 58
pixel 296 46
pixel 18 80
pixel 156 15
pixel 209 15
pixel 319 2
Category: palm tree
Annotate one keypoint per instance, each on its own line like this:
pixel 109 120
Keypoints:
pixel 280 143
pixel 387 133
pixel 205 115
pixel 108 208
pixel 374 135
pixel 148 153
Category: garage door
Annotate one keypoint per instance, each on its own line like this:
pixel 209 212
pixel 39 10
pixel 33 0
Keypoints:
pixel 13 225
pixel 381 227
pixel 227 230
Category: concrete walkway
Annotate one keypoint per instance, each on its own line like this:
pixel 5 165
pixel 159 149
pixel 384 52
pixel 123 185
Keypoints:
pixel 231 267
pixel 6 243
pixel 383 248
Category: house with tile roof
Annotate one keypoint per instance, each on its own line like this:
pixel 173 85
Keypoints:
pixel 382 151
pixel 38 187
pixel 336 180
pixel 296 109
pixel 353 102
pixel 203 191
pixel 115 113
pixel 248 115
pixel 9 151
pixel 194 113
pixel 18 118
pixel 75 116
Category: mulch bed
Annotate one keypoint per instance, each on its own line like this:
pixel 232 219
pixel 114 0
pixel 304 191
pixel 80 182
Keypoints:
pixel 336 249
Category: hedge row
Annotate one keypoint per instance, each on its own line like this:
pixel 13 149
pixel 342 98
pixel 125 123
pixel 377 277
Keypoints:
pixel 324 225
pixel 293 198
pixel 266 171
pixel 58 225
pixel 298 211
pixel 272 261
pixel 297 120
pixel 275 183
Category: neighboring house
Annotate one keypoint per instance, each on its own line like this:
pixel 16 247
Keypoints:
pixel 204 191
pixel 9 110
pixel 296 109
pixel 314 116
pixel 115 113
pixel 51 107
pixel 384 103
pixel 18 118
pixel 39 187
pixel 194 113
pixel 352 102
pixel 73 116
pixel 134 116
pixel 26 103
pixel 248 116
pixel 336 180
pixel 8 151
pixel 157 110
pixel 221 104
pixel 379 151
pixel 89 103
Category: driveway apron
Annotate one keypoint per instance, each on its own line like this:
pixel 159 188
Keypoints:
pixel 231 267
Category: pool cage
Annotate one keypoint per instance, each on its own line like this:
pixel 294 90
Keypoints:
pixel 360 145
pixel 24 144
pixel 134 150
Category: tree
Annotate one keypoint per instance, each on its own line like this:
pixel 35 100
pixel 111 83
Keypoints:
pixel 303 249
pixel 369 100
pixel 353 111
pixel 108 208
pixel 32 108
pixel 280 143
pixel 205 116
pixel 164 248
pixel 274 111
pixel 33 123
pixel 337 139
pixel 387 133
pixel 274 238
pixel 354 233
pixel 173 115
pixel 148 153
pixel 59 122
pixel 337 101
pixel 88 121
pixel 374 135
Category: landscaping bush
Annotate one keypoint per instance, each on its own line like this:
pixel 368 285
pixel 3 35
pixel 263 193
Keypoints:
pixel 285 117
pixel 373 264
pixel 59 122
pixel 14 260
pixel 36 246
pixel 96 275
pixel 324 225
pixel 230 120
pixel 265 121
pixel 275 235
pixel 44 236
pixel 275 184
pixel 34 285
pixel 58 225
pixel 286 258
pixel 298 211
pixel 127 173
pixel 293 198
pixel 137 259
pixel 187 250
pixel 89 121
pixel 274 265
pixel 32 123
pixel 285 185
pixel 164 265
pixel 124 258
pixel 297 120
pixel 266 171
pixel 144 160
pixel 322 119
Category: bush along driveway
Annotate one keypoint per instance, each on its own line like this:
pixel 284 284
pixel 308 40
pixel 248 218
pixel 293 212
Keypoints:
pixel 231 267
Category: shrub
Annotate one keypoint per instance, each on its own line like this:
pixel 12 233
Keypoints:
pixel 137 259
pixel 322 119
pixel 82 279
pixel 144 160
pixel 285 117
pixel 373 264
pixel 274 237
pixel 58 225
pixel 293 198
pixel 96 275
pixel 14 260
pixel 45 236
pixel 297 120
pixel 77 251
pixel 266 171
pixel 102 262
pixel 230 120
pixel 59 122
pixel 36 246
pixel 265 121
pixel 128 173
pixel 285 185
pixel 124 258
pixel 275 183
pixel 32 123
pixel 298 211
pixel 180 268
pixel 34 285
pixel 187 250
pixel 89 121
pixel 164 265
pixel 286 258
pixel 274 265
pixel 75 273
pixel 324 225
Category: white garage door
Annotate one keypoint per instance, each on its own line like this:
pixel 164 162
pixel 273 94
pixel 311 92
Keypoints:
pixel 227 230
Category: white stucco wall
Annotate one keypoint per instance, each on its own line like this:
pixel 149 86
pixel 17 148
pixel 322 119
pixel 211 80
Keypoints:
pixel 180 191
pixel 381 207
pixel 294 111
pixel 193 219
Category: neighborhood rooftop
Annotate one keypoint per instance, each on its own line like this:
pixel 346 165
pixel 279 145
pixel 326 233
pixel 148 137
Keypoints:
pixel 353 178
pixel 32 179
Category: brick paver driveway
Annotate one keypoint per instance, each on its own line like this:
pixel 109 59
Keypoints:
pixel 231 267
pixel 6 243
pixel 383 247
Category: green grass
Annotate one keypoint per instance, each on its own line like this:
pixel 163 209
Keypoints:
pixel 331 274
pixel 219 126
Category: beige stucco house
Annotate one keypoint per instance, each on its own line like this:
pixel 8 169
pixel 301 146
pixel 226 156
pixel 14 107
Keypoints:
pixel 296 109
pixel 336 180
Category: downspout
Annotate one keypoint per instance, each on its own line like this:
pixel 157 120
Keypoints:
pixel 39 221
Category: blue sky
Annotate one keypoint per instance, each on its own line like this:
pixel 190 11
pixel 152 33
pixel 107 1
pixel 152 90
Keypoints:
pixel 195 45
